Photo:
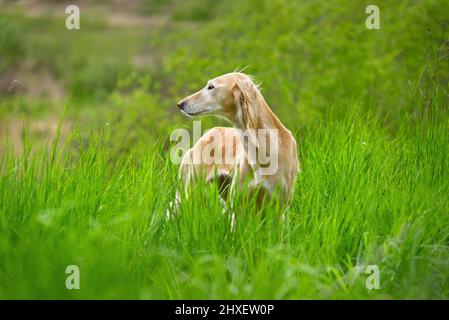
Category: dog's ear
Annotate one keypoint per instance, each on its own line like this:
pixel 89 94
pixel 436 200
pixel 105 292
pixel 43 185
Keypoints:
pixel 245 96
pixel 247 104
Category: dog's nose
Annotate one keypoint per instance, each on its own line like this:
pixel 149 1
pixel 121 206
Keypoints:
pixel 181 105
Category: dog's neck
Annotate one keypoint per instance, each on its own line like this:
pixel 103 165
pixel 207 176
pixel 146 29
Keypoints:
pixel 264 119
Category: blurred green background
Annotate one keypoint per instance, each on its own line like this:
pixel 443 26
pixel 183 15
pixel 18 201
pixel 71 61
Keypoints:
pixel 131 61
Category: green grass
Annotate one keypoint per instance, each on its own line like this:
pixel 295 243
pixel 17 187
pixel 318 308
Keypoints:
pixel 365 196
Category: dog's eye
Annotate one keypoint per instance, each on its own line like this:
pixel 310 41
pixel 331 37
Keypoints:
pixel 210 86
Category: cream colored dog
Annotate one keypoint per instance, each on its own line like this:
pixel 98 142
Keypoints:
pixel 258 151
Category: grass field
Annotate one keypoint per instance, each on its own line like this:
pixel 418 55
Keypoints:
pixel 369 109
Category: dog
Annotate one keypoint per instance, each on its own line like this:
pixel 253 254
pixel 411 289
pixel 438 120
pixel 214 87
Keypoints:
pixel 259 151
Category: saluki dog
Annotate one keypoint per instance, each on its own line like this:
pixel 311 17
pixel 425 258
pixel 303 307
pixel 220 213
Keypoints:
pixel 258 151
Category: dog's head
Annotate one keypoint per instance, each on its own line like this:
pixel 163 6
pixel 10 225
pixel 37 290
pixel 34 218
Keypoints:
pixel 228 96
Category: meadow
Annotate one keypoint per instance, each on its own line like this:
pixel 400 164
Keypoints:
pixel 369 109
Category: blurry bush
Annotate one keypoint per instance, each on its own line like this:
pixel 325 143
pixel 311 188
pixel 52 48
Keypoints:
pixel 138 115
pixel 12 48
pixel 97 79
pixel 197 10
pixel 310 56
pixel 152 7
pixel 193 10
